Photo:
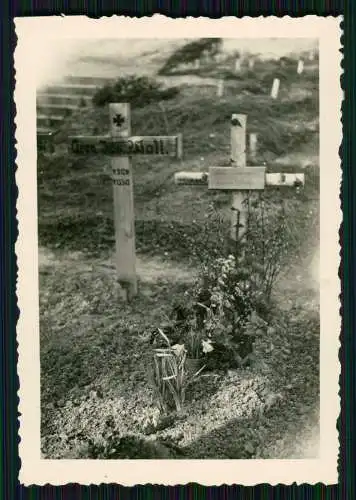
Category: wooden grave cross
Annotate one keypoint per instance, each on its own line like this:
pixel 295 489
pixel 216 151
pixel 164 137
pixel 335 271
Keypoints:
pixel 238 178
pixel 121 146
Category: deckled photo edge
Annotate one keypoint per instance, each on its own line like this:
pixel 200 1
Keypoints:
pixel 37 471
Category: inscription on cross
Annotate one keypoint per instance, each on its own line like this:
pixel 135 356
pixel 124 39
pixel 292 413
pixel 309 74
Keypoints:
pixel 120 145
pixel 238 178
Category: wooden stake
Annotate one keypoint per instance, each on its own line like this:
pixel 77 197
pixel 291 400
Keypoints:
pixel 275 88
pixel 300 67
pixel 179 146
pixel 120 121
pixel 238 160
pixel 251 63
pixel 238 65
pixel 220 89
pixel 163 109
pixel 253 146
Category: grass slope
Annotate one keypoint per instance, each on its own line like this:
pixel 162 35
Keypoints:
pixel 81 196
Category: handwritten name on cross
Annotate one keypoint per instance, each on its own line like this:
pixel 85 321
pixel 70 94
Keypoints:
pixel 238 178
pixel 121 146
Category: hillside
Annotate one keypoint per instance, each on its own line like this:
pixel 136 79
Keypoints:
pixel 287 139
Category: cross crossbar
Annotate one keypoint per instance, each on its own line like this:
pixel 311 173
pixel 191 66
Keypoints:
pixel 127 146
pixel 270 179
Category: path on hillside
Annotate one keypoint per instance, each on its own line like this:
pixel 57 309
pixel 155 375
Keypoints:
pixel 301 277
pixel 149 269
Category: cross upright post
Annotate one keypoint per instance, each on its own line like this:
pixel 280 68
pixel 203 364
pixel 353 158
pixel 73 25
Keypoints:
pixel 238 160
pixel 124 217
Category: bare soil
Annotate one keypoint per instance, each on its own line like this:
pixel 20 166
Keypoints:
pixel 215 402
pixel 96 351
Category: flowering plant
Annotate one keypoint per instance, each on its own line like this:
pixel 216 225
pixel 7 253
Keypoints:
pixel 170 376
pixel 229 301
pixel 197 340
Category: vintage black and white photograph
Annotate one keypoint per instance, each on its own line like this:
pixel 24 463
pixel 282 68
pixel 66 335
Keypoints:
pixel 178 185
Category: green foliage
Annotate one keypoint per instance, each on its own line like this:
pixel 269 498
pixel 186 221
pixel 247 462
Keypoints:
pixel 184 327
pixel 190 52
pixel 235 291
pixel 171 377
pixel 229 302
pixel 197 341
pixel 267 244
pixel 139 91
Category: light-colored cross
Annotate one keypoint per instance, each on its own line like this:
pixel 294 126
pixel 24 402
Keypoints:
pixel 238 178
pixel 121 146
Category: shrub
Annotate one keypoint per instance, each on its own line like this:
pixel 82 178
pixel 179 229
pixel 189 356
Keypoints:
pixel 139 91
pixel 230 302
pixel 267 244
pixel 233 294
pixel 190 52
pixel 184 326
pixel 249 273
pixel 210 236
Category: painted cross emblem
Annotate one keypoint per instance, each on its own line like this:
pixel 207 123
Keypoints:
pixel 118 120
pixel 235 121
